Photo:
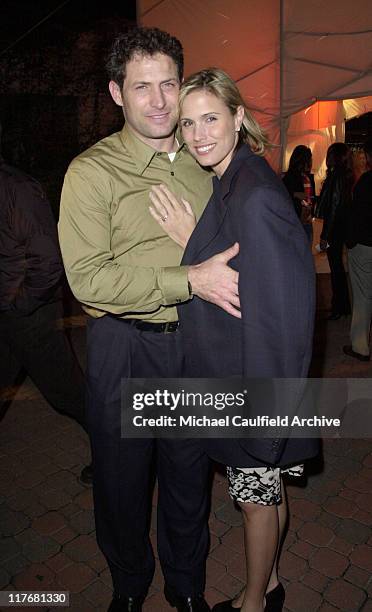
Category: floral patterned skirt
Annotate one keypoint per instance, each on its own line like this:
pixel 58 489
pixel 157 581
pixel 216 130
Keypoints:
pixel 260 485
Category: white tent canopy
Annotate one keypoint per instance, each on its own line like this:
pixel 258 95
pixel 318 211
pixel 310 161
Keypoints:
pixel 295 61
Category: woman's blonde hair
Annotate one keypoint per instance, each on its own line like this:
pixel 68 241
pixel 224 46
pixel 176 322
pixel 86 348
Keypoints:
pixel 218 83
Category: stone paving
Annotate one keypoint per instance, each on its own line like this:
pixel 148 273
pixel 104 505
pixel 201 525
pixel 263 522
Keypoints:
pixel 47 524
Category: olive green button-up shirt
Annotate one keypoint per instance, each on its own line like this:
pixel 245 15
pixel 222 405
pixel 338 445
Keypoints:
pixel 117 258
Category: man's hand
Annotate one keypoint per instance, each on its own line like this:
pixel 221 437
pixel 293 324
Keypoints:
pixel 214 281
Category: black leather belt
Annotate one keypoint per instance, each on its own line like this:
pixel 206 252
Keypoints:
pixel 159 328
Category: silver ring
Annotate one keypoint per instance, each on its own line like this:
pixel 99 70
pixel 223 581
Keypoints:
pixel 164 218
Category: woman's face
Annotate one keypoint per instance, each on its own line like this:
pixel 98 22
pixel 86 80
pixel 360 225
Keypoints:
pixel 209 129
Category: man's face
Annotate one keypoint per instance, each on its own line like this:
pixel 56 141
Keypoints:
pixel 149 97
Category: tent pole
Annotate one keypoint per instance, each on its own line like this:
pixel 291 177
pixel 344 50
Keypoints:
pixel 283 133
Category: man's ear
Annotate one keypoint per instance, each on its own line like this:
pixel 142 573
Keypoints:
pixel 115 93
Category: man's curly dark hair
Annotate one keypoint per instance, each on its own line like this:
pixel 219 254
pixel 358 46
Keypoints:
pixel 145 42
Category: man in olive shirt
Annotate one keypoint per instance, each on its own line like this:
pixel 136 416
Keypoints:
pixel 127 273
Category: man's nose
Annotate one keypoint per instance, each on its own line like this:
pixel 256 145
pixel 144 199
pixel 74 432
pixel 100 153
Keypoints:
pixel 158 98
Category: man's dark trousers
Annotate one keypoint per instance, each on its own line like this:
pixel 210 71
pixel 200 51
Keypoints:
pixel 123 467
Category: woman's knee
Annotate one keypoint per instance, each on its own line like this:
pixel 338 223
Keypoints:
pixel 251 510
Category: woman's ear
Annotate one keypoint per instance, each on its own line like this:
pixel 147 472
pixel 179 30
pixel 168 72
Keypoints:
pixel 239 116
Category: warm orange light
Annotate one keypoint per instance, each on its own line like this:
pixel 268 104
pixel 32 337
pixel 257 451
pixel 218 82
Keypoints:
pixel 327 112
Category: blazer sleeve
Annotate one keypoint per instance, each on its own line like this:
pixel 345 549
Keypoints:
pixel 276 287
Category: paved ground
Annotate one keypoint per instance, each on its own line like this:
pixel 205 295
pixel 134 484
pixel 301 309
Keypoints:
pixel 47 525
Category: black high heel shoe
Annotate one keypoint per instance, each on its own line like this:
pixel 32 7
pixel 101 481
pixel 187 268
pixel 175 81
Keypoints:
pixel 225 606
pixel 274 602
pixel 275 599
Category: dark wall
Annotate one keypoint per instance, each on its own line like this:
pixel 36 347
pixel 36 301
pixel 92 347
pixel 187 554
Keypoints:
pixel 40 136
pixel 359 129
pixel 54 100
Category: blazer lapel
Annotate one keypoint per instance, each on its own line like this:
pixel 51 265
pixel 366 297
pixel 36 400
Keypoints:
pixel 215 212
pixel 208 225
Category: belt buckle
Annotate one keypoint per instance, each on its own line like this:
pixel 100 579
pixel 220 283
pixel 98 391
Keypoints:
pixel 170 327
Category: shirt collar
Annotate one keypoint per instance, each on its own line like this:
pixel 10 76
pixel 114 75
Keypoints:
pixel 141 153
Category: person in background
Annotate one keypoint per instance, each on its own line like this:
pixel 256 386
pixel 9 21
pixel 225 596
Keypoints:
pixel 359 243
pixel 273 337
pixel 31 274
pixel 301 186
pixel 334 208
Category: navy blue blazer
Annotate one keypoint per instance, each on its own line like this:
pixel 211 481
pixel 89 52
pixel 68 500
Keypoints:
pixel 273 339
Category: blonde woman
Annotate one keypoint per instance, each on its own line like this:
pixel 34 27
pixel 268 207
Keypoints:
pixel 272 336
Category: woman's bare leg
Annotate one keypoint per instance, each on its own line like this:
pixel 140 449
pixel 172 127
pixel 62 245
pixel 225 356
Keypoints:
pixel 261 531
pixel 282 518
pixel 282 510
